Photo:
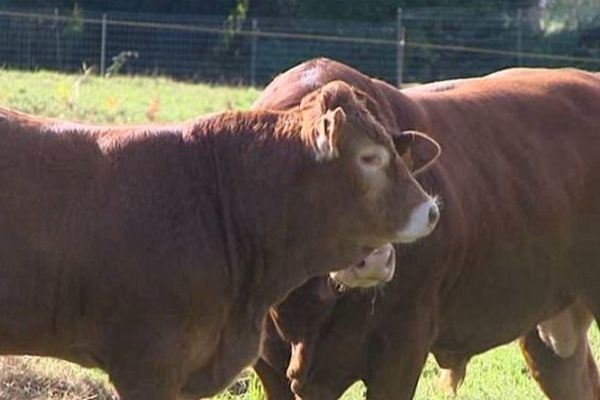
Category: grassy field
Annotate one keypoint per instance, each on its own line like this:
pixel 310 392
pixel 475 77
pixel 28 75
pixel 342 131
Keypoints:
pixel 122 100
pixel 497 375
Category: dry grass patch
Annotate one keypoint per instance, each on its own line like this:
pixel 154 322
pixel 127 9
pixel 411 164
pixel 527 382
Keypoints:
pixel 35 378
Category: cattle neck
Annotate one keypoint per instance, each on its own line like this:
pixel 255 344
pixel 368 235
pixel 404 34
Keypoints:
pixel 265 186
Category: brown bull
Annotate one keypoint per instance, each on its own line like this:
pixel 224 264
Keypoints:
pixel 515 255
pixel 154 252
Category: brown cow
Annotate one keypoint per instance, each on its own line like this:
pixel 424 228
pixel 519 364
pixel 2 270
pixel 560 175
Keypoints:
pixel 514 255
pixel 154 252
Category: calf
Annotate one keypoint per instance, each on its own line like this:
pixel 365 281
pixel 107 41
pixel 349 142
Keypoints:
pixel 514 256
pixel 154 252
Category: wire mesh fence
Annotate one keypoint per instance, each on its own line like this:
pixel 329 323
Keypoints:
pixel 421 45
pixel 445 43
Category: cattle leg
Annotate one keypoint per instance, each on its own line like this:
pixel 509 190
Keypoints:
pixel 399 382
pixel 397 361
pixel 145 363
pixel 275 384
pixel 147 390
pixel 272 363
pixel 230 358
pixel 572 378
pixel 450 378
pixel 145 380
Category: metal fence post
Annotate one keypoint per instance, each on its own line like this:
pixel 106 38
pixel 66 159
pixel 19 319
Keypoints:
pixel 519 36
pixel 399 48
pixel 103 46
pixel 57 40
pixel 29 33
pixel 254 51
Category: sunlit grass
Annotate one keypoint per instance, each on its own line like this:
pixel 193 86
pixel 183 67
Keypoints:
pixel 117 99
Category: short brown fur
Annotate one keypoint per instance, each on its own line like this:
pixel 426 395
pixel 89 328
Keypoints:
pixel 518 241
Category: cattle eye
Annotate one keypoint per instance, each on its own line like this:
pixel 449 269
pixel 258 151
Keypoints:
pixel 373 159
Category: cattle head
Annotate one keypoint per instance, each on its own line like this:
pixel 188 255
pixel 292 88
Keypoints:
pixel 292 332
pixel 361 162
pixel 316 331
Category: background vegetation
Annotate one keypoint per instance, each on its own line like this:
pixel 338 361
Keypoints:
pixel 213 41
pixel 372 10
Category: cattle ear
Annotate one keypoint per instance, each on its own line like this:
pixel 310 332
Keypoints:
pixel 328 128
pixel 416 149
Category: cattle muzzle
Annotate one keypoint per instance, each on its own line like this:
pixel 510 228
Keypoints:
pixel 377 268
pixel 422 221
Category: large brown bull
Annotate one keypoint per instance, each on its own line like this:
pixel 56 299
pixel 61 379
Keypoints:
pixel 154 252
pixel 516 253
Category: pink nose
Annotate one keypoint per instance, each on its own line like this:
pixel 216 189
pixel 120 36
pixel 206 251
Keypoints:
pixel 381 264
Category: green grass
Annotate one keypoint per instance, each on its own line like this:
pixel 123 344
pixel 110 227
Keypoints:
pixel 118 99
pixel 499 374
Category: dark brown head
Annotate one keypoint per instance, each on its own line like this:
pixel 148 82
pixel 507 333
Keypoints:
pixel 317 343
pixel 291 333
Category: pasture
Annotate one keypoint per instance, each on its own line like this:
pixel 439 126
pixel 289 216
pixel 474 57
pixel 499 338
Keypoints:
pixel 499 374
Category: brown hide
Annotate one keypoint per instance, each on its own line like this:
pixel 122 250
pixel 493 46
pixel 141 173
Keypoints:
pixel 154 252
pixel 518 239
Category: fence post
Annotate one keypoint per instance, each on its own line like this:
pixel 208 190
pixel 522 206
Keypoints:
pixel 103 46
pixel 254 51
pixel 399 48
pixel 519 36
pixel 57 40
pixel 29 33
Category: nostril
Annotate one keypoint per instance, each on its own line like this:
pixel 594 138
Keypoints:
pixel 434 215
